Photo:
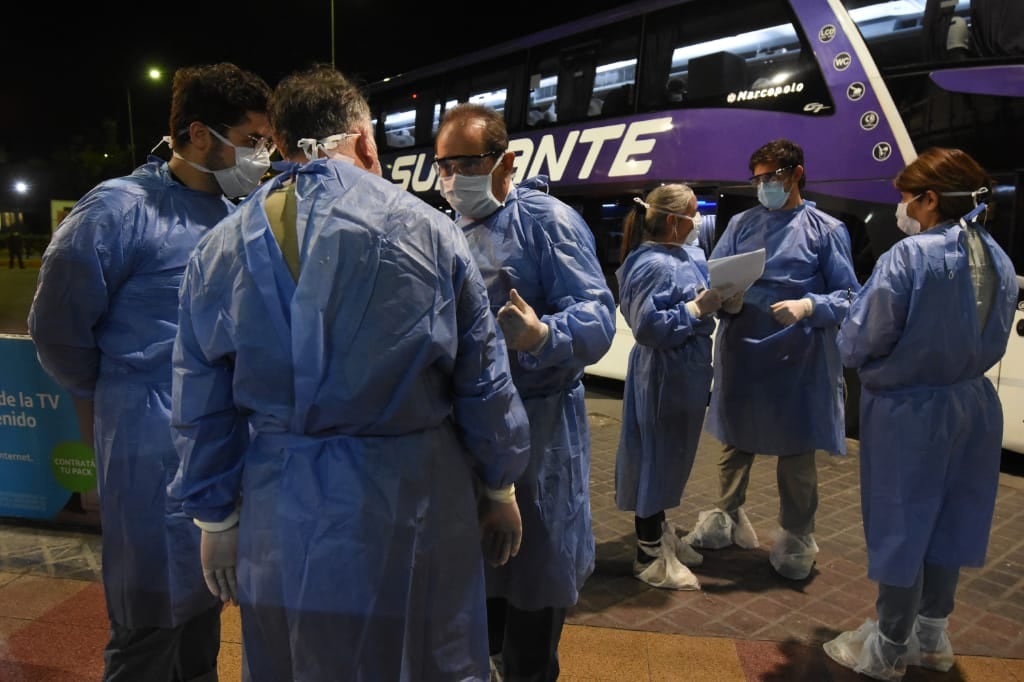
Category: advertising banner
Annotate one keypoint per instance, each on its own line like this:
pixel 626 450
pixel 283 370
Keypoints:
pixel 46 472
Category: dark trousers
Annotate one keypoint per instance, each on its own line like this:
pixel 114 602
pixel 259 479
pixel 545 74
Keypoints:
pixel 21 263
pixel 932 595
pixel 187 653
pixel 526 640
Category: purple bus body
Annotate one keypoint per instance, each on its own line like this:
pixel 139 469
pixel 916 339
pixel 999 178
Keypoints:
pixel 853 146
pixel 1006 80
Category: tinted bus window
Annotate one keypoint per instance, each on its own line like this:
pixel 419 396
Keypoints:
pixel 742 56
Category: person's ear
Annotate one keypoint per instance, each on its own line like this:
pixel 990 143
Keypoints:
pixel 199 136
pixel 798 172
pixel 366 151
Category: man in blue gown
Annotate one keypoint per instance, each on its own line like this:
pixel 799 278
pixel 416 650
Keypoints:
pixel 777 376
pixel 103 321
pixel 340 384
pixel 547 289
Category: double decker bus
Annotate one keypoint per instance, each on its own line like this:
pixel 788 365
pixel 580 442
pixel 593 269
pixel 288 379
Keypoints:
pixel 610 106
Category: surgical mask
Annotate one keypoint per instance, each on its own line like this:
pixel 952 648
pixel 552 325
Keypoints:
pixel 908 225
pixel 772 195
pixel 697 219
pixel 691 238
pixel 242 178
pixel 471 195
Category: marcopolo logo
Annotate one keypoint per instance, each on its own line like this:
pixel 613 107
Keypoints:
pixel 775 91
pixel 73 466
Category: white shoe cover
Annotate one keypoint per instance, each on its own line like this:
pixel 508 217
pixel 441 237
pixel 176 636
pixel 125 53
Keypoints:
pixel 713 530
pixel 792 556
pixel 743 532
pixel 665 572
pixel 861 650
pixel 497 668
pixel 929 645
pixel 687 555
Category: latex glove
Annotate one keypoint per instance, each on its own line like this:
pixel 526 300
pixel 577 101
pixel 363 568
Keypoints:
pixel 733 304
pixel 501 530
pixel 707 302
pixel 792 311
pixel 522 328
pixel 218 552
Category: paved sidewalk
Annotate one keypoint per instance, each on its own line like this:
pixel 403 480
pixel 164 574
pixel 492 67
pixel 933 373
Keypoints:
pixel 743 598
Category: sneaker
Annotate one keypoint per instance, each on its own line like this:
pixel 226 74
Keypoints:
pixel 792 556
pixel 929 645
pixel 713 530
pixel 665 571
pixel 687 555
pixel 868 652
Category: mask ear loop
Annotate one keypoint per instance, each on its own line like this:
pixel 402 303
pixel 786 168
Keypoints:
pixel 166 139
pixel 309 147
pixel 978 193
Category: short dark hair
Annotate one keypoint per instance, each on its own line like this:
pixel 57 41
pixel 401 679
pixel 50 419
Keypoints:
pixel 783 152
pixel 495 132
pixel 317 102
pixel 215 94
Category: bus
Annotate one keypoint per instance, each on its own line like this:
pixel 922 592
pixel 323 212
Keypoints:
pixel 654 91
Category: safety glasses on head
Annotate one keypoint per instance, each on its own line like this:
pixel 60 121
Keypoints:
pixel 312 147
pixel 465 164
pixel 770 176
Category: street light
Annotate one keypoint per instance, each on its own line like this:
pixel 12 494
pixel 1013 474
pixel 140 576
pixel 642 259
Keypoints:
pixel 154 74
pixel 21 189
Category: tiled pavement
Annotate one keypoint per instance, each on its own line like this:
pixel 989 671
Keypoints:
pixel 741 597
pixel 746 624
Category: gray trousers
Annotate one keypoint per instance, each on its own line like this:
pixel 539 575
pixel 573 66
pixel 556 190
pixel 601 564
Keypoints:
pixel 797 477
pixel 932 596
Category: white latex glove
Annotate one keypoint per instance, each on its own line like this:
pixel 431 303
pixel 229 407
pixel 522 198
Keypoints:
pixel 707 302
pixel 733 304
pixel 219 552
pixel 792 311
pixel 522 328
pixel 501 530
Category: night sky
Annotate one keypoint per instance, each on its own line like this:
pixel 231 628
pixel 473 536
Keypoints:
pixel 70 69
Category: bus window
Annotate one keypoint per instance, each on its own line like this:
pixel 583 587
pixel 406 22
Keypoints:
pixel 438 112
pixel 400 129
pixel 592 75
pixel 741 56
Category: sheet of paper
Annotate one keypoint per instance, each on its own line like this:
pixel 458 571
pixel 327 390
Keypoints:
pixel 734 274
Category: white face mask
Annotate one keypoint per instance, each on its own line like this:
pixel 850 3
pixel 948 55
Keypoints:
pixel 471 195
pixel 691 238
pixel 908 225
pixel 242 178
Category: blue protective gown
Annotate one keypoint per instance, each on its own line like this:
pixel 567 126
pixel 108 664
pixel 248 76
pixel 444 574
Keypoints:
pixel 542 247
pixel 931 422
pixel 669 376
pixel 374 387
pixel 103 322
pixel 778 389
